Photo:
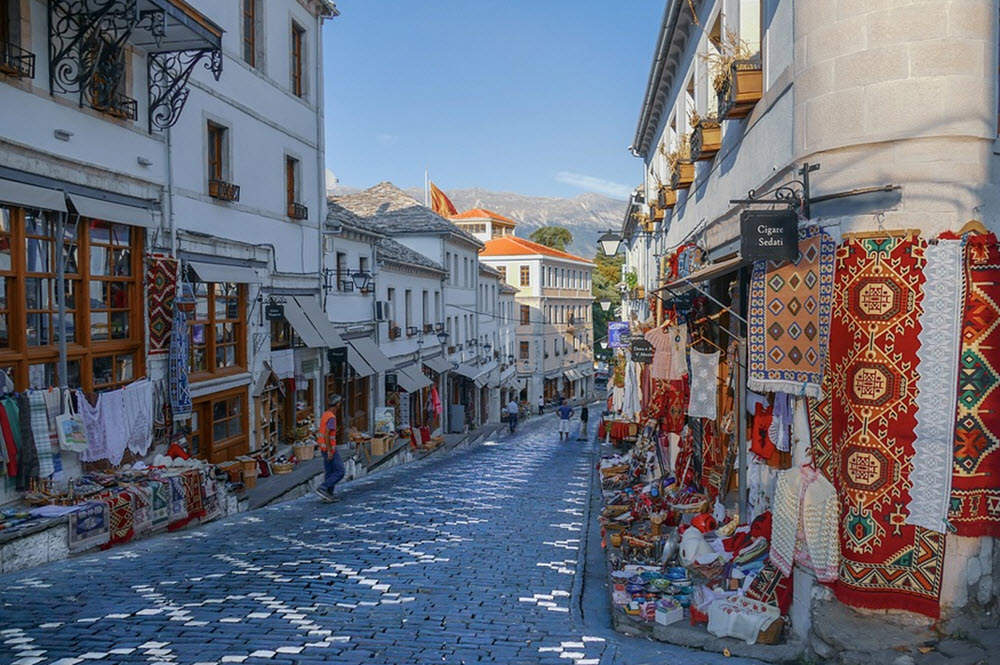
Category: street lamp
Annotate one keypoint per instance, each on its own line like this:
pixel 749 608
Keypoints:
pixel 361 280
pixel 487 348
pixel 442 337
pixel 605 303
pixel 609 243
pixel 510 359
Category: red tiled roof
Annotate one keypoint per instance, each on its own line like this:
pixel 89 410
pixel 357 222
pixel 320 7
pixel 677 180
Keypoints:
pixel 514 246
pixel 482 213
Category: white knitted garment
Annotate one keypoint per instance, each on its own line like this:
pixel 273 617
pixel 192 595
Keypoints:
pixel 819 523
pixel 785 519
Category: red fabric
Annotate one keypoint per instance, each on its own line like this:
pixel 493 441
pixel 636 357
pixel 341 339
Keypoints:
pixel 975 491
pixel 121 518
pixel 175 451
pixel 771 587
pixel 735 543
pixel 761 526
pixel 8 437
pixel 885 563
pixel 760 441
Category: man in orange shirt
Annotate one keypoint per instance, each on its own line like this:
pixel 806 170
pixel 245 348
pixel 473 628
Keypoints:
pixel 326 437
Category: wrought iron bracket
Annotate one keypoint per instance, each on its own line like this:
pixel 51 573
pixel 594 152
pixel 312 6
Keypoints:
pixel 77 29
pixel 794 194
pixel 168 77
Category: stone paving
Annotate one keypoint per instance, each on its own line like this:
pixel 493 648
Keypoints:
pixel 472 556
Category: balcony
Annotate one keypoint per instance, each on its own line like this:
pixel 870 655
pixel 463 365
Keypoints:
pixel 428 328
pixel 298 211
pixel 115 104
pixel 223 191
pixel 394 331
pixel 16 62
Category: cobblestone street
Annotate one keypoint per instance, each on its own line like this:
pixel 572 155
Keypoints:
pixel 472 556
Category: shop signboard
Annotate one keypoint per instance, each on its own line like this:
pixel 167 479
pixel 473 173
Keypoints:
pixel 391 384
pixel 385 420
pixel 273 312
pixel 769 235
pixel 618 334
pixel 642 351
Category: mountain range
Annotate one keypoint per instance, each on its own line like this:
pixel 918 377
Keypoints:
pixel 586 216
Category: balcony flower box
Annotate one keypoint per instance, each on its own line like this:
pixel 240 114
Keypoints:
pixel 224 191
pixel 15 62
pixel 742 91
pixel 682 176
pixel 667 199
pixel 706 139
pixel 298 211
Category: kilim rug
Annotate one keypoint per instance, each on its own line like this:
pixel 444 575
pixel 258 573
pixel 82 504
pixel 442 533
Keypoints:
pixel 180 391
pixel 161 288
pixel 789 307
pixel 772 587
pixel 194 502
pixel 975 494
pixel 142 507
pixel 160 511
pixel 121 519
pixel 885 562
pixel 820 433
pixel 178 505
pixel 940 339
pixel 89 526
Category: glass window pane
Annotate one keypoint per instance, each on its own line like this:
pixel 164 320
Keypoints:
pixel 219 431
pixel 4 332
pixel 99 326
pixel 99 295
pixel 198 334
pixel 36 293
pixel 201 309
pixel 235 427
pixel 122 262
pixel 198 363
pixel 118 294
pixel 219 410
pixel 103 369
pixel 124 368
pixel 235 406
pixel 119 325
pixel 42 375
pixel 73 374
pixel 99 261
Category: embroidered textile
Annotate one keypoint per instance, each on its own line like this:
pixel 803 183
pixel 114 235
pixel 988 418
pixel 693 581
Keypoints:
pixel 821 449
pixel 121 518
pixel 137 401
pixel 160 510
pixel 934 434
pixel 975 493
pixel 670 359
pixel 93 425
pixel 161 289
pixel 178 505
pixel 704 384
pixel 789 306
pixel 885 562
pixel 740 617
pixel 180 392
pixel 41 433
pixel 116 425
pixel 817 544
pixel 785 512
pixel 773 587
pixel 89 526
pixel 194 504
pixel 142 507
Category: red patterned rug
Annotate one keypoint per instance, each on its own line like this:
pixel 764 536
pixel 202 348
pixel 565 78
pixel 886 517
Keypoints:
pixel 885 563
pixel 194 499
pixel 121 518
pixel 820 435
pixel 161 287
pixel 975 493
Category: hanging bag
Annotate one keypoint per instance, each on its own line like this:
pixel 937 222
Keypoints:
pixel 69 425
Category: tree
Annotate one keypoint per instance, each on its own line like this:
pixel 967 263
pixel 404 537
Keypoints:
pixel 607 275
pixel 556 237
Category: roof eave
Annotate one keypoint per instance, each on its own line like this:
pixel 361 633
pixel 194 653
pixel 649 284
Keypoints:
pixel 664 40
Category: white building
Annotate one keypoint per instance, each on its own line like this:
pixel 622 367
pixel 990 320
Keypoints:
pixel 158 132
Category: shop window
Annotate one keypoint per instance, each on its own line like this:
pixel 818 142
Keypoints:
pixel 525 351
pixel 525 315
pixel 218 329
pixel 219 426
pixel 298 38
pixel 525 276
pixel 103 313
pixel 354 391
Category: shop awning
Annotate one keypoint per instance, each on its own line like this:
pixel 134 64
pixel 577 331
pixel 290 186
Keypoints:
pixel 713 271
pixel 31 196
pixel 220 272
pixel 411 379
pixel 357 363
pixel 371 354
pixel 439 364
pixel 300 322
pixel 265 377
pixel 317 317
pixel 473 372
pixel 113 212
pixel 571 374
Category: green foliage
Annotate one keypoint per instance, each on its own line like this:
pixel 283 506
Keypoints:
pixel 556 237
pixel 605 285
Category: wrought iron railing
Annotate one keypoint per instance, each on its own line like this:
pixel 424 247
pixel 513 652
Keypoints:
pixel 16 62
pixel 224 191
pixel 115 104
pixel 297 211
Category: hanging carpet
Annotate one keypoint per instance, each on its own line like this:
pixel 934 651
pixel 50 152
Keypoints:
pixel 975 495
pixel 160 509
pixel 89 526
pixel 885 562
pixel 789 307
pixel 161 289
pixel 121 519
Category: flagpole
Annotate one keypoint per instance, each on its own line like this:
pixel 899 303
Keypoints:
pixel 427 190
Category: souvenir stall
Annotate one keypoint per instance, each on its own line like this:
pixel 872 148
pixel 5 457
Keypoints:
pixel 844 435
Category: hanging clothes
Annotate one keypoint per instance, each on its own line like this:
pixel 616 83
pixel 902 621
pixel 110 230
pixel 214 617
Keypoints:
pixel 180 391
pixel 116 425
pixel 28 468
pixel 781 422
pixel 93 424
pixel 704 384
pixel 137 400
pixel 41 434
pixel 632 400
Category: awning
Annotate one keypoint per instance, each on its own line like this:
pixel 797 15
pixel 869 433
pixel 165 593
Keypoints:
pixel 357 363
pixel 183 28
pixel 263 378
pixel 483 379
pixel 411 379
pixel 113 212
pixel 219 272
pixel 30 196
pixel 371 354
pixel 719 269
pixel 571 374
pixel 439 364
pixel 300 322
pixel 473 372
pixel 317 317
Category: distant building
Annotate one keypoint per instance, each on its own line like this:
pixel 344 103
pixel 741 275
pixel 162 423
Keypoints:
pixel 484 224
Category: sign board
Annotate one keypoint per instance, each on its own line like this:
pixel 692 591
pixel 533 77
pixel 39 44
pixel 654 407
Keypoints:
pixel 618 334
pixel 769 235
pixel 642 351
pixel 335 356
pixel 385 420
pixel 274 312
pixel 391 384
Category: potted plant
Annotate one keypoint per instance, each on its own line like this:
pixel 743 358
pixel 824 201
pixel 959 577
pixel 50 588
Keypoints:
pixel 737 76
pixel 667 198
pixel 706 136
pixel 680 164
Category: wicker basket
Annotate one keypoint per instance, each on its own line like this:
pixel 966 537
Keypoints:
pixel 304 451
pixel 771 634
pixel 282 467
pixel 614 470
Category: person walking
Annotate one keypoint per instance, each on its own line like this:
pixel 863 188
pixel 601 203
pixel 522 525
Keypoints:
pixel 584 417
pixel 333 466
pixel 565 412
pixel 512 410
pixel 541 404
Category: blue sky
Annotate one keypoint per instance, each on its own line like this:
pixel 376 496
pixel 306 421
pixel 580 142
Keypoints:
pixel 539 97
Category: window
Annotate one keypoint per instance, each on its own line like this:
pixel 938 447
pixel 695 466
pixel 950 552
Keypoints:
pixel 218 162
pixel 437 307
pixel 391 297
pixel 525 315
pixel 292 187
pixel 503 273
pixel 342 272
pixel 447 266
pixel 109 78
pixel 298 56
pixel 408 303
pixel 525 351
pixel 219 426
pixel 103 296
pixel 218 329
pixel 250 32
pixel 425 308
pixel 525 276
